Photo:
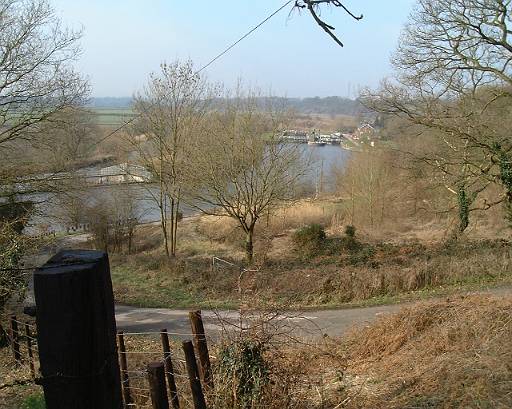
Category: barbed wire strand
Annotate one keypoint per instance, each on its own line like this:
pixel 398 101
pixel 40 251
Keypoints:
pixel 185 334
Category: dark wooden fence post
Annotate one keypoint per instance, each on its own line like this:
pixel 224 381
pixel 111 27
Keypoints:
pixel 28 336
pixel 169 369
pixel 156 377
pixel 15 339
pixel 196 322
pixel 193 376
pixel 123 363
pixel 76 331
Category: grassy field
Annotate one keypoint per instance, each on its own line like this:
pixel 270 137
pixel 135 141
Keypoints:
pixel 116 116
pixel 112 116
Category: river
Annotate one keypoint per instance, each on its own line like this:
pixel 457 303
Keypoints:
pixel 50 215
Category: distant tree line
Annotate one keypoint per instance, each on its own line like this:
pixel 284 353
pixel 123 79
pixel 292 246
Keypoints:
pixel 333 105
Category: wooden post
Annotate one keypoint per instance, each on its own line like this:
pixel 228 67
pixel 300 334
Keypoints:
pixel 28 336
pixel 76 331
pixel 193 376
pixel 169 369
pixel 205 370
pixel 15 340
pixel 123 363
pixel 156 377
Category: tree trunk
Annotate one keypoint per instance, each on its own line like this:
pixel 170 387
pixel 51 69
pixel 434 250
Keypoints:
pixel 130 239
pixel 176 220
pixel 163 224
pixel 173 253
pixel 166 238
pixel 249 244
pixel 163 206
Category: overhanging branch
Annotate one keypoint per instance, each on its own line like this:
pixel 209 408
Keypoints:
pixel 313 8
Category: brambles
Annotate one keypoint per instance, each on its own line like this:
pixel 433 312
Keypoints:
pixel 243 374
pixel 309 240
pixel 362 255
pixel 349 242
pixel 350 231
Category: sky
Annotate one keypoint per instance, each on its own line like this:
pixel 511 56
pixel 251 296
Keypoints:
pixel 125 40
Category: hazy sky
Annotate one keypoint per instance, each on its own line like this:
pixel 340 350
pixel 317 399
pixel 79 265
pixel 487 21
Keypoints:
pixel 124 40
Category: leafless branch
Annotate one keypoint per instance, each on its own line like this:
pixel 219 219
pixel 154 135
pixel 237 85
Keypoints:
pixel 313 6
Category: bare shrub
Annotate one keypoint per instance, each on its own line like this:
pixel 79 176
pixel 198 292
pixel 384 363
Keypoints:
pixel 113 219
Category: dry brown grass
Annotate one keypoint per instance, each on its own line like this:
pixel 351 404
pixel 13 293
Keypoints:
pixel 305 212
pixel 375 271
pixel 443 354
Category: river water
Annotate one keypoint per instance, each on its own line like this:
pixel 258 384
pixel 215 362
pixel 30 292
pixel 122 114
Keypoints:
pixel 51 217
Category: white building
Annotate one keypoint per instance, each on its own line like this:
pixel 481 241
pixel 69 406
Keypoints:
pixel 123 173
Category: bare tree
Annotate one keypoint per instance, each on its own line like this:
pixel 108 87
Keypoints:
pixel 36 78
pixel 112 217
pixel 13 248
pixel 68 138
pixel 37 82
pixel 453 78
pixel 365 181
pixel 169 109
pixel 239 168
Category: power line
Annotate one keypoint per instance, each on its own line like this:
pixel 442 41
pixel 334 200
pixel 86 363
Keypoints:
pixel 244 36
pixel 124 124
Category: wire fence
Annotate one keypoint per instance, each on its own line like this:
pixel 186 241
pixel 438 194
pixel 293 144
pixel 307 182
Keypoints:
pixel 136 352
pixel 139 349
pixel 184 366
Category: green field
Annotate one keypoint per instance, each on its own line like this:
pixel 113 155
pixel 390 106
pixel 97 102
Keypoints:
pixel 112 116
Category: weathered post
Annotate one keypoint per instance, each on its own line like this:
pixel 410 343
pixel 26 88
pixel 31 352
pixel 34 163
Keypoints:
pixel 15 339
pixel 123 362
pixel 169 369
pixel 193 376
pixel 77 331
pixel 28 336
pixel 156 378
pixel 196 322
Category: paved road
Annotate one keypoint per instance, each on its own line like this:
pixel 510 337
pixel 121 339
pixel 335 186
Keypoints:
pixel 309 324
pixel 313 324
